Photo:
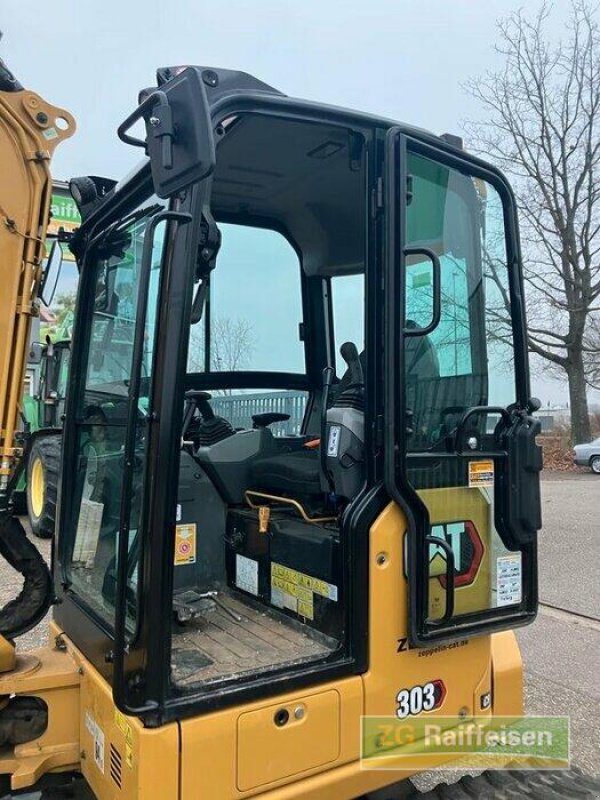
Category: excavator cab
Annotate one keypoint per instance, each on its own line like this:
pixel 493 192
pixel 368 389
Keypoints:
pixel 299 450
pixel 329 317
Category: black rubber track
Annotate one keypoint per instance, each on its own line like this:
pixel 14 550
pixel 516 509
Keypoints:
pixel 47 449
pixel 513 784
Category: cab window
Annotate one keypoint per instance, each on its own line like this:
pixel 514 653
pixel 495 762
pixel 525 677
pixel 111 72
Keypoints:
pixel 254 306
pixel 102 410
pixel 468 359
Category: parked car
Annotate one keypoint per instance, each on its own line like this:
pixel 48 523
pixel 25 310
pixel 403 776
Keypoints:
pixel 588 455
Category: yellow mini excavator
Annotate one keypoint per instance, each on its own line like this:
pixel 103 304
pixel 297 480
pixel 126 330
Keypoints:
pixel 299 473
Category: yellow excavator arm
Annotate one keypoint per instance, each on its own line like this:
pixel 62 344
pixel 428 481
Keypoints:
pixel 30 130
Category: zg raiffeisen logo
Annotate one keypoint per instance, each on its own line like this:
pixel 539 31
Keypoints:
pixel 479 743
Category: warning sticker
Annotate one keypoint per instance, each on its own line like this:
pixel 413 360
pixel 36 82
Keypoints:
pixel 97 735
pixel 333 444
pixel 185 544
pixel 508 580
pixel 481 474
pixel 295 591
pixel 88 532
pixel 123 725
pixel 90 724
pixel 246 574
pixel 99 748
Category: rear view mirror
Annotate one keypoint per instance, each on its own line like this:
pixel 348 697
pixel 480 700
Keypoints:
pixel 179 138
pixel 51 273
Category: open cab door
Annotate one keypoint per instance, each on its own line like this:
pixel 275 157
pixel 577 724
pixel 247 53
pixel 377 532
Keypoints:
pixel 463 461
pixel 122 360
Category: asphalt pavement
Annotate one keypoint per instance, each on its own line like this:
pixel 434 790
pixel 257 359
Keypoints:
pixel 561 649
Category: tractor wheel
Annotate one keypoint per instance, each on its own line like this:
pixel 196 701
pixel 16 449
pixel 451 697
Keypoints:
pixel 595 464
pixel 42 485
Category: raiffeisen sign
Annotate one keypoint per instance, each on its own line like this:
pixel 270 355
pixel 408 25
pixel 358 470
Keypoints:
pixel 64 214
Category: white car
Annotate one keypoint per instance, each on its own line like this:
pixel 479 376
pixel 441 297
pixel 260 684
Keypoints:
pixel 588 455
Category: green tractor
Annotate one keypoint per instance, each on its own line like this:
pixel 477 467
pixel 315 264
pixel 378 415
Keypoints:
pixel 43 414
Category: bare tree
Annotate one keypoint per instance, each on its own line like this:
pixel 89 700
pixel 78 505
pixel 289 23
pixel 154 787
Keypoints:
pixel 542 128
pixel 592 354
pixel 231 345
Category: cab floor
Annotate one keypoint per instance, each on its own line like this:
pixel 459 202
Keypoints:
pixel 215 646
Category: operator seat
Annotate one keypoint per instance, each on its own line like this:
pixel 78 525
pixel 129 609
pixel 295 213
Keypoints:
pixel 293 474
pixel 297 473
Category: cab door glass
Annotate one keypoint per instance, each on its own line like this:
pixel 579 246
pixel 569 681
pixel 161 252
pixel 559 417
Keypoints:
pixel 348 306
pixel 101 414
pixel 467 360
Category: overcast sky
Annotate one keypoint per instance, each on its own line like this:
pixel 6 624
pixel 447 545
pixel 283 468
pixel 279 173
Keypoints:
pixel 404 59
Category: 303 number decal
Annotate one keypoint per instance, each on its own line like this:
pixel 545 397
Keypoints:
pixel 419 699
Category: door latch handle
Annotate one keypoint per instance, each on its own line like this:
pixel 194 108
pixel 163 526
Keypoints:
pixel 449 553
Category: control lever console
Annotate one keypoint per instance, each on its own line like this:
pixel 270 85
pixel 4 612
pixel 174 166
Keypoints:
pixel 343 444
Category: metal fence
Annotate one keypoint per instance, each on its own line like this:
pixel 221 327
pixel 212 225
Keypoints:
pixel 239 408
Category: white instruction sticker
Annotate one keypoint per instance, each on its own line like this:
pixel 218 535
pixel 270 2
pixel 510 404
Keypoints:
pixel 88 532
pixel 281 599
pixel 246 574
pixel 97 734
pixel 90 724
pixel 99 748
pixel 333 443
pixel 508 580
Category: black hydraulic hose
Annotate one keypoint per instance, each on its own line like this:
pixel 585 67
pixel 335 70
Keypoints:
pixel 26 610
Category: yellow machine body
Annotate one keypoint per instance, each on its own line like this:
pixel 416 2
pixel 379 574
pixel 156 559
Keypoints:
pixel 30 132
pixel 238 752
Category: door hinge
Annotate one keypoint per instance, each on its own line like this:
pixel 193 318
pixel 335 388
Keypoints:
pixel 377 197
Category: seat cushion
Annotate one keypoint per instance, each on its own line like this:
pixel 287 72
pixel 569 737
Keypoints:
pixel 293 474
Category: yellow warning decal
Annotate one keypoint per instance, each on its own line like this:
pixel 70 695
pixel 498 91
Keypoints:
pixel 123 725
pixel 185 544
pixel 292 589
pixel 295 591
pixel 307 581
pixel 306 610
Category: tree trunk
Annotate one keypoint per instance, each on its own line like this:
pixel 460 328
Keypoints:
pixel 581 431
